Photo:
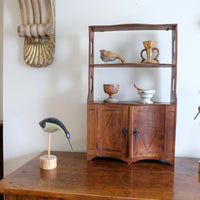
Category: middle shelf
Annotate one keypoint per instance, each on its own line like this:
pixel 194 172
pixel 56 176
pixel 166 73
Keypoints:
pixel 134 65
pixel 132 103
pixel 153 78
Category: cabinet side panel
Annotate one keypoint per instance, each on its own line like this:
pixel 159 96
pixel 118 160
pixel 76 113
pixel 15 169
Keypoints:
pixel 91 61
pixel 92 128
pixel 170 132
pixel 174 61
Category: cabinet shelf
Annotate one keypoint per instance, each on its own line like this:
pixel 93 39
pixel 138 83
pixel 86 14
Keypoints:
pixel 133 65
pixel 131 27
pixel 132 103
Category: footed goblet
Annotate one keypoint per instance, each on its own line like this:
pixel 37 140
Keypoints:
pixel 111 89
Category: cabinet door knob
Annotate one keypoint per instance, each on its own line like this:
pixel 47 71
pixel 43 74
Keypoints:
pixel 135 132
pixel 124 131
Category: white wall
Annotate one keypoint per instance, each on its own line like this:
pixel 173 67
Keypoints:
pixel 60 90
pixel 1 59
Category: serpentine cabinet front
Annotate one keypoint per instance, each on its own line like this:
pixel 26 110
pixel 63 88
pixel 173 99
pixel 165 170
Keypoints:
pixel 131 132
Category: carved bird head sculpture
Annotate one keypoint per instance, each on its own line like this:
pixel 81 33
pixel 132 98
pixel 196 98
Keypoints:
pixel 51 125
pixel 110 56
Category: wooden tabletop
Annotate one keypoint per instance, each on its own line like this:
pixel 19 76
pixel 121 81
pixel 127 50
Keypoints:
pixel 77 178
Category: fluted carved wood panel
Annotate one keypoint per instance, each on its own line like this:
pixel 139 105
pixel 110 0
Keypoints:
pixel 38 30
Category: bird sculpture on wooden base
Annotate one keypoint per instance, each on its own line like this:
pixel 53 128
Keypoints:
pixel 110 56
pixel 51 125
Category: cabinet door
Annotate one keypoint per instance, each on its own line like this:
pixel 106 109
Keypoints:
pixel 112 130
pixel 148 131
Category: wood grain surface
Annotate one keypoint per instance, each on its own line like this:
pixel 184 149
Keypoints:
pixel 77 178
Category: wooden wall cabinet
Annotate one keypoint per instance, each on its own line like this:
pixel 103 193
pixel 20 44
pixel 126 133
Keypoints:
pixel 131 131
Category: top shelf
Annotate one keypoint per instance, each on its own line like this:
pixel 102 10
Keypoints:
pixel 128 27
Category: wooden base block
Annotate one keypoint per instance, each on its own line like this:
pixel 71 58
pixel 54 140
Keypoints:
pixel 48 162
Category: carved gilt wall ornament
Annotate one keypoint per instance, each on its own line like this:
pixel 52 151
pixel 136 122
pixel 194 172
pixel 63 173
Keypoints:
pixel 38 30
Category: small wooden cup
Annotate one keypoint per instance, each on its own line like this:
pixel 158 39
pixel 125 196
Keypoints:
pixel 48 163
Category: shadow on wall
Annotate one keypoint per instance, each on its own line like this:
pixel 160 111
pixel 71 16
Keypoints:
pixel 17 162
pixel 65 93
pixel 61 94
pixel 11 29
